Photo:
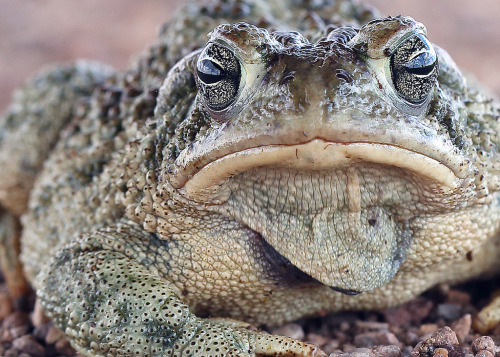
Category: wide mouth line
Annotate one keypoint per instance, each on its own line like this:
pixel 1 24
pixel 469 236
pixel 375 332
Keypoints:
pixel 316 154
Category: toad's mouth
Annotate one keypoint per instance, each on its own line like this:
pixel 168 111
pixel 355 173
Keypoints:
pixel 199 180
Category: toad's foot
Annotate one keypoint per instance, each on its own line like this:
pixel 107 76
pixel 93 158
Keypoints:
pixel 488 317
pixel 109 303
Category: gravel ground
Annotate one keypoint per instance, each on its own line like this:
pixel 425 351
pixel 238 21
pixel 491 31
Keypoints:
pixel 436 324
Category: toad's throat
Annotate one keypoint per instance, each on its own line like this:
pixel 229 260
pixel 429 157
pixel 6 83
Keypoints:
pixel 317 154
pixel 352 244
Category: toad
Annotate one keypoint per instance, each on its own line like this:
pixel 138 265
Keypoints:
pixel 304 157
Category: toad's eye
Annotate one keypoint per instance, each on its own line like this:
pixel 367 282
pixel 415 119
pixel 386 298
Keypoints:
pixel 218 76
pixel 414 69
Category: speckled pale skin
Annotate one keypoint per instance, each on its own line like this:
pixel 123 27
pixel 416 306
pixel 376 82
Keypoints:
pixel 154 220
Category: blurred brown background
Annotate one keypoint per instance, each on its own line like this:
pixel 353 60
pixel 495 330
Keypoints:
pixel 34 33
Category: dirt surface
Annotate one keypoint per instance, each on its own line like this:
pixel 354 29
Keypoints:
pixel 34 33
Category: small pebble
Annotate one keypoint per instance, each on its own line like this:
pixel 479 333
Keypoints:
pixel 5 335
pixel 380 351
pixel 440 352
pixel 315 339
pixel 484 353
pixel 12 352
pixel 406 351
pixel 53 335
pixel 40 332
pixel 398 316
pixel 387 351
pixel 483 343
pixel 343 337
pixel 344 326
pixel 458 297
pixel 15 319
pixel 348 347
pixel 411 338
pixel 426 329
pixel 413 312
pixel 462 327
pixel 29 345
pixel 290 330
pixel 331 346
pixel 19 331
pixel 358 352
pixel 63 347
pixel 442 337
pixel 367 339
pixel 335 353
pixel 449 312
pixel 370 339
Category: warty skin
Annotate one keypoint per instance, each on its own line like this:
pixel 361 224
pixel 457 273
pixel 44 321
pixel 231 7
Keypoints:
pixel 256 175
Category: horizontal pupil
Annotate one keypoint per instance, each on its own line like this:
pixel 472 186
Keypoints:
pixel 210 72
pixel 422 71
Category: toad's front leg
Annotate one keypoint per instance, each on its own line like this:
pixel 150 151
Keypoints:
pixel 105 293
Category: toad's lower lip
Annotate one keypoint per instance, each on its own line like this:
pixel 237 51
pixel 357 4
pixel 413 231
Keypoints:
pixel 317 154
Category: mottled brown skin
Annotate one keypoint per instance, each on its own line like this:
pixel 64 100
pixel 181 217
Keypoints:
pixel 152 218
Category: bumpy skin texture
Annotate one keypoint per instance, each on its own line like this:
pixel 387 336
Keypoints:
pixel 156 218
